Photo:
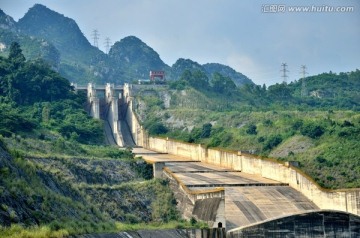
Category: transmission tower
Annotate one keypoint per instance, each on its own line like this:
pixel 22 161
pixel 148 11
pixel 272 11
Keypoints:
pixel 95 35
pixel 284 71
pixel 107 45
pixel 304 92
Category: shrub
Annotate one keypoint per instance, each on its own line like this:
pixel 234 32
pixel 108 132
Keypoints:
pixel 312 130
pixel 268 123
pixel 251 130
pixel 157 129
pixel 2 143
pixel 272 142
pixel 206 130
pixel 297 124
pixel 214 142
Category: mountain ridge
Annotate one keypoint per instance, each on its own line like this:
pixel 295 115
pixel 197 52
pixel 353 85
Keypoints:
pixel 129 59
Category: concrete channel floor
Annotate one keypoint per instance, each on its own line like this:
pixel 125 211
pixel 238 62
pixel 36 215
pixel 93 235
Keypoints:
pixel 248 198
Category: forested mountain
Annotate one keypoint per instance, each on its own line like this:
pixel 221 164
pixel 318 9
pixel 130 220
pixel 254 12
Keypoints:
pixel 342 86
pixel 185 64
pixel 238 78
pixel 44 33
pixel 209 69
pixel 79 60
pixel 135 59
pixel 63 32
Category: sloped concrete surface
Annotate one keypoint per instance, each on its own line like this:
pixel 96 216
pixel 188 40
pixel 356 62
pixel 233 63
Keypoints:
pixel 126 134
pixel 109 137
pixel 249 198
pixel 248 205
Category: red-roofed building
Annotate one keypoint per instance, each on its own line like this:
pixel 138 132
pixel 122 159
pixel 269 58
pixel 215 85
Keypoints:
pixel 157 74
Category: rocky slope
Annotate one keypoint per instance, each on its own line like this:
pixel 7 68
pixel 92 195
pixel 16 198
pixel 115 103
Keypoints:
pixel 59 191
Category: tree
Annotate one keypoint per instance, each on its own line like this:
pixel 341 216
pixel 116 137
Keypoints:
pixel 16 56
pixel 312 130
pixel 251 130
pixel 33 82
pixel 157 129
pixel 272 142
pixel 197 79
pixel 206 130
pixel 222 84
pixel 279 91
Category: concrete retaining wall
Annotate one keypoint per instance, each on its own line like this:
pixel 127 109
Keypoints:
pixel 343 200
pixel 223 159
pixel 347 200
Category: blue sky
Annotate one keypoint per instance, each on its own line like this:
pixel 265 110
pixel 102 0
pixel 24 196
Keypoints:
pixel 241 34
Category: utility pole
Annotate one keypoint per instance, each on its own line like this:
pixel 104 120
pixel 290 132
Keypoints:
pixel 304 92
pixel 95 35
pixel 107 45
pixel 284 71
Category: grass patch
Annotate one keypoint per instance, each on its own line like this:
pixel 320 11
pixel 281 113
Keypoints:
pixel 17 231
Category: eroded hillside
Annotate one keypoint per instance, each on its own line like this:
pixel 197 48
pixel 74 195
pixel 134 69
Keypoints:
pixel 80 194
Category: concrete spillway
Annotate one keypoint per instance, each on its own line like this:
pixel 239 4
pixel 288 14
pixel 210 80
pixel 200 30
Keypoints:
pixel 128 141
pixel 109 136
pixel 108 103
pixel 249 205
pixel 247 198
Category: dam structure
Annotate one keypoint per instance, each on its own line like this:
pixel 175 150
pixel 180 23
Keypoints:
pixel 108 103
pixel 242 194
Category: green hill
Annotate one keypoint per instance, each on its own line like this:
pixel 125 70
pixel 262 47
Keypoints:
pixel 79 60
pixel 135 59
pixel 238 78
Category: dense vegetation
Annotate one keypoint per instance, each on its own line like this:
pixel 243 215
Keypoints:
pixel 33 96
pixel 57 177
pixel 320 130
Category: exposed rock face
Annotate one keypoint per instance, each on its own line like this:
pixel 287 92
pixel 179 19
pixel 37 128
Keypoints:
pixel 42 190
pixel 7 22
pixel 62 31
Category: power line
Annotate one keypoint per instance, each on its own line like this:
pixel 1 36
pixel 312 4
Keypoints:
pixel 284 71
pixel 107 45
pixel 304 91
pixel 95 35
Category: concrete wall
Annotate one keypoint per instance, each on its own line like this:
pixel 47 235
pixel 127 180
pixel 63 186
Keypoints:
pixel 136 129
pixel 206 205
pixel 347 200
pixel 113 113
pixel 93 101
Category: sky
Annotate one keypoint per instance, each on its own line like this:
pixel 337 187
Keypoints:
pixel 255 37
